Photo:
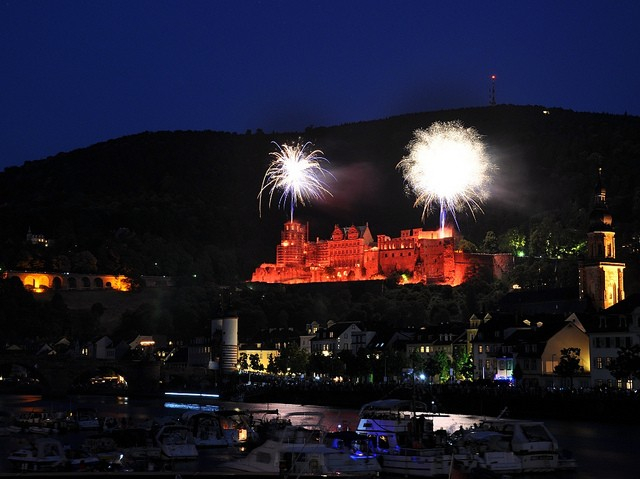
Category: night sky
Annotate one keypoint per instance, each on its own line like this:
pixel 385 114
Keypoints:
pixel 74 73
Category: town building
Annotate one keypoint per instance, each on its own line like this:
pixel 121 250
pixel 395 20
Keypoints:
pixel 610 331
pixel 336 337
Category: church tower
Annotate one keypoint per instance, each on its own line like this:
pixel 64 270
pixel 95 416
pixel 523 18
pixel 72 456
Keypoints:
pixel 601 277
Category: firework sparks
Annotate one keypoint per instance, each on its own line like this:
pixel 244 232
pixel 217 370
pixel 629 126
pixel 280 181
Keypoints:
pixel 297 173
pixel 447 165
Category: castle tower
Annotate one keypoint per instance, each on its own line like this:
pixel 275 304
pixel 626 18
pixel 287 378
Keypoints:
pixel 292 248
pixel 601 277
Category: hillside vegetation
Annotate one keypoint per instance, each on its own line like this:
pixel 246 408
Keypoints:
pixel 184 203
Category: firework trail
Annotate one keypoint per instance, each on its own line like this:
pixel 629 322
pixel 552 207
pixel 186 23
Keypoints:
pixel 447 165
pixel 297 173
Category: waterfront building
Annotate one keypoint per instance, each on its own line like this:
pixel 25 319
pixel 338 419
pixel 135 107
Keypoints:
pixel 535 344
pixel 610 331
pixel 336 337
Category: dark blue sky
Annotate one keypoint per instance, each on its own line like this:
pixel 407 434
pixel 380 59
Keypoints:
pixel 74 73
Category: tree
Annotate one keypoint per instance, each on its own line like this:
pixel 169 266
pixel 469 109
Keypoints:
pixel 254 362
pixel 438 364
pixel 627 365
pixel 292 359
pixel 462 364
pixel 467 246
pixel 490 243
pixel 569 364
pixel 84 262
pixel 272 368
pixel 243 362
pixel 444 366
pixel 518 374
pixel 514 242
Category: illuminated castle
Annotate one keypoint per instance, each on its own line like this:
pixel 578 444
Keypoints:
pixel 351 254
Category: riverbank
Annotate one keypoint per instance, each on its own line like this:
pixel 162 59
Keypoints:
pixel 606 406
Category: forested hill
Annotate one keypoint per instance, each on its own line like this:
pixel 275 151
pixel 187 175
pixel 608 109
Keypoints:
pixel 185 202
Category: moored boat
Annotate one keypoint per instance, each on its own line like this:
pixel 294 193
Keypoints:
pixel 509 446
pixel 87 419
pixel 206 429
pixel 401 433
pixel 303 452
pixel 176 442
pixel 44 454
pixel 79 460
pixel 237 427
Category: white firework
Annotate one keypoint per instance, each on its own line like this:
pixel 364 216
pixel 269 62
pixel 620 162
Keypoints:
pixel 298 174
pixel 447 165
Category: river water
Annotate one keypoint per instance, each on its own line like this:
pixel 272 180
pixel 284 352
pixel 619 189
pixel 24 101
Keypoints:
pixel 602 451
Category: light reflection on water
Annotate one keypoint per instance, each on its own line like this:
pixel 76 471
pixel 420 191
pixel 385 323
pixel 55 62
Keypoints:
pixel 602 451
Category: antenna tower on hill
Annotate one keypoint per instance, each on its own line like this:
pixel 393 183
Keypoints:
pixel 492 91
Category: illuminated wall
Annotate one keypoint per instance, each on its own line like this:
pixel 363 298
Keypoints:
pixel 351 254
pixel 42 282
pixel 601 277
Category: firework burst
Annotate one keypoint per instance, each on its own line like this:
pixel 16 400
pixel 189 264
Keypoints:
pixel 297 173
pixel 447 165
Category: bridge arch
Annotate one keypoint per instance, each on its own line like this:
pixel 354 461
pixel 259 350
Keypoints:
pixel 41 281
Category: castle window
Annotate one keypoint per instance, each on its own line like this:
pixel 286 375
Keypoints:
pixel 598 363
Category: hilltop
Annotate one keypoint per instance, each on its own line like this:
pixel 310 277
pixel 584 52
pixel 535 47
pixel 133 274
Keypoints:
pixel 184 203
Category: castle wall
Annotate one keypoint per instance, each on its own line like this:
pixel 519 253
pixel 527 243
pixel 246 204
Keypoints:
pixel 470 265
pixel 349 256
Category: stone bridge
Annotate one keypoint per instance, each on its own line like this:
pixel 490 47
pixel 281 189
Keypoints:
pixel 57 375
pixel 40 281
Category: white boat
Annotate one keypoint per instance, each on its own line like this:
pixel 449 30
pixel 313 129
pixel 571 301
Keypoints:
pixel 509 446
pixel 79 460
pixel 206 429
pixel 303 452
pixel 87 418
pixel 237 428
pixel 401 433
pixel 176 442
pixel 44 454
